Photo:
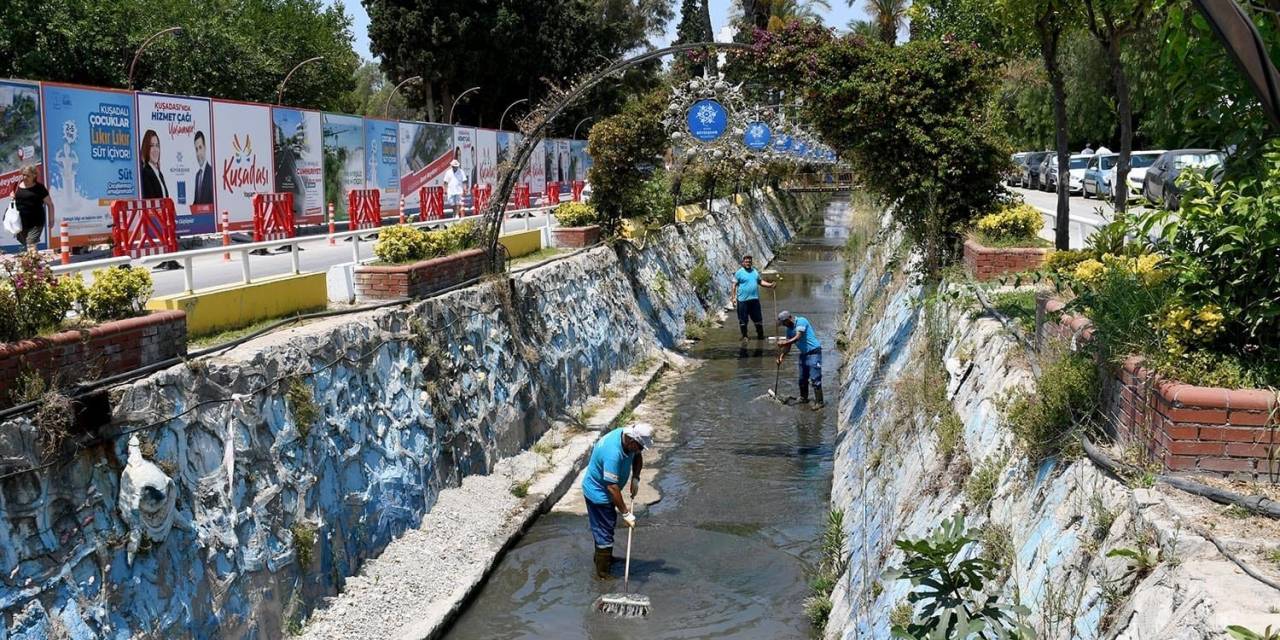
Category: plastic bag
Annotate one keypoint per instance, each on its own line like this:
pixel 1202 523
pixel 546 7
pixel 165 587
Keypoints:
pixel 12 221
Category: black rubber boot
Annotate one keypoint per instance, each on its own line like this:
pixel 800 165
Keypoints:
pixel 759 332
pixel 817 398
pixel 603 560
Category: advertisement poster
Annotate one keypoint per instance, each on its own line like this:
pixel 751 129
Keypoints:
pixel 299 162
pixel 425 153
pixel 20 144
pixel 558 169
pixel 535 172
pixel 242 147
pixel 580 161
pixel 382 171
pixel 343 159
pixel 175 159
pixel 486 157
pixel 464 142
pixel 90 135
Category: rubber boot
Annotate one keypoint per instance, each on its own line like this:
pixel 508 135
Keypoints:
pixel 817 398
pixel 603 559
pixel 759 332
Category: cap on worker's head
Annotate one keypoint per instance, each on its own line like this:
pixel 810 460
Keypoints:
pixel 641 432
pixel 455 164
pixel 746 257
pixel 783 317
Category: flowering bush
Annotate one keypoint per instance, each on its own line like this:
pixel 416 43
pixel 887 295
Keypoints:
pixel 403 244
pixel 1011 223
pixel 576 214
pixel 33 298
pixel 117 293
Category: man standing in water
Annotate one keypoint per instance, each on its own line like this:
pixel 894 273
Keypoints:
pixel 616 458
pixel 746 290
pixel 800 332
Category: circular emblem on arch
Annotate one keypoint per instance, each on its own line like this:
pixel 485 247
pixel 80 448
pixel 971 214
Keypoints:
pixel 757 136
pixel 782 144
pixel 707 120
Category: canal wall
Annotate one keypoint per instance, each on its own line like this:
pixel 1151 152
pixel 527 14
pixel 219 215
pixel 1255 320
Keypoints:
pixel 1050 528
pixel 224 497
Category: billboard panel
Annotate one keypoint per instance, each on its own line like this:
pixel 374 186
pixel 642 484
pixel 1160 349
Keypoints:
pixel 299 162
pixel 20 143
pixel 560 168
pixel 93 138
pixel 535 171
pixel 580 161
pixel 174 159
pixel 464 140
pixel 425 153
pixel 343 159
pixel 242 145
pixel 382 172
pixel 486 157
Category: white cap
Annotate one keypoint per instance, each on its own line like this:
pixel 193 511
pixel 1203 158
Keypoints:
pixel 641 432
pixel 455 164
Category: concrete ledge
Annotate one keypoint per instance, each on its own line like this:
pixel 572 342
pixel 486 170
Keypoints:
pixel 522 243
pixel 222 308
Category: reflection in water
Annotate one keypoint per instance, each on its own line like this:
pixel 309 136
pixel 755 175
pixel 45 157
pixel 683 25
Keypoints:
pixel 745 490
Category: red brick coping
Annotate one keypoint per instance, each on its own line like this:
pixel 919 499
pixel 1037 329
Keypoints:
pixel 985 263
pixel 75 356
pixel 419 279
pixel 577 237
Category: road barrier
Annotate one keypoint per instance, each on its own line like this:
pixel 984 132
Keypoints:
pixel 64 242
pixel 578 186
pixel 521 197
pixel 432 203
pixel 553 192
pixel 273 217
pixel 364 206
pixel 143 227
pixel 480 197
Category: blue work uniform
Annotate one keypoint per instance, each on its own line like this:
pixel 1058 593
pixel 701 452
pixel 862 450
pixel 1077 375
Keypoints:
pixel 609 464
pixel 809 349
pixel 749 301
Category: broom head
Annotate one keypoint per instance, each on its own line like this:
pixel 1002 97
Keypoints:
pixel 623 605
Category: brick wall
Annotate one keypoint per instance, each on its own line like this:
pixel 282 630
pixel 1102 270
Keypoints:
pixel 577 237
pixel 419 279
pixel 109 348
pixel 984 262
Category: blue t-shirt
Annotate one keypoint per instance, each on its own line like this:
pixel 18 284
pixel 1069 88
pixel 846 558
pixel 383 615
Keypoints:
pixel 609 464
pixel 748 284
pixel 809 341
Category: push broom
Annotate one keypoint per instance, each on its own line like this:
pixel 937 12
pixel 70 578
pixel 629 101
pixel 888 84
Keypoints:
pixel 624 605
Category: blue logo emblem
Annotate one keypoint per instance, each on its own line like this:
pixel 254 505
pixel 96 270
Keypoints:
pixel 782 144
pixel 707 120
pixel 757 136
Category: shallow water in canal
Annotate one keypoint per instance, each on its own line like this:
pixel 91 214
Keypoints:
pixel 744 485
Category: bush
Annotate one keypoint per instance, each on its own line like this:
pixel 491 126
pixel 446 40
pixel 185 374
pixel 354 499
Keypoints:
pixel 1047 420
pixel 34 299
pixel 400 244
pixel 576 214
pixel 117 293
pixel 1012 223
pixel 1063 263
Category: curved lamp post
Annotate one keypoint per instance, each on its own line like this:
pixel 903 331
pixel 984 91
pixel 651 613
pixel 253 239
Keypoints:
pixel 138 53
pixel 504 111
pixel 280 93
pixel 575 128
pixel 449 120
pixel 386 107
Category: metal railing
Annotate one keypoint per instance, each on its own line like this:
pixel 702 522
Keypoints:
pixel 245 250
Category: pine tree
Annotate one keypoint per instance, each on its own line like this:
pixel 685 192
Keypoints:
pixel 695 26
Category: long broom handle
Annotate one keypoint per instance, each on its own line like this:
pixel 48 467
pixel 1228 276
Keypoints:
pixel 626 570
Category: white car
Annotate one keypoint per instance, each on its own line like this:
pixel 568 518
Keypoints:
pixel 1075 175
pixel 1139 162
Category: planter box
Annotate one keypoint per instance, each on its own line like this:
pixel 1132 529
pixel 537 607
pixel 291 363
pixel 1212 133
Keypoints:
pixel 577 237
pixel 419 279
pixel 985 263
pixel 75 356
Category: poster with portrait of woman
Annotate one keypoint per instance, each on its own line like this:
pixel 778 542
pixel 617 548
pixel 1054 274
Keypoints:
pixel 175 159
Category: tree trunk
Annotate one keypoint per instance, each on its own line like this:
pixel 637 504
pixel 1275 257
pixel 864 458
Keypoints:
pixel 1124 109
pixel 446 104
pixel 1049 29
pixel 710 64
pixel 430 93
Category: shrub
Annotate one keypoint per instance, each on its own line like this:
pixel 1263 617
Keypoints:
pixel 458 237
pixel 37 299
pixel 700 278
pixel 980 488
pixel 1011 223
pixel 576 214
pixel 1047 420
pixel 1063 263
pixel 117 293
pixel 400 244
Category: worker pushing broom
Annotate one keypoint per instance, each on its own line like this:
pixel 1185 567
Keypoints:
pixel 616 458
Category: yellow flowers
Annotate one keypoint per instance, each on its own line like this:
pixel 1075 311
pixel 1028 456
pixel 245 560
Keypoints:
pixel 1185 326
pixel 1013 222
pixel 1090 271
pixel 1146 267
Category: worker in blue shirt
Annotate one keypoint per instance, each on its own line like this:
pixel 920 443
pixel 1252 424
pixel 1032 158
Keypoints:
pixel 746 291
pixel 801 334
pixel 615 458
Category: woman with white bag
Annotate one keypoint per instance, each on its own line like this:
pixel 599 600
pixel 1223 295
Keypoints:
pixel 30 198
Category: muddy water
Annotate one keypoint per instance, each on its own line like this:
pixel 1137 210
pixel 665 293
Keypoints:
pixel 743 482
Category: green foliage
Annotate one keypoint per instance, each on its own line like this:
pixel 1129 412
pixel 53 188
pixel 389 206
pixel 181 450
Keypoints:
pixel 1011 223
pixel 32 298
pixel 117 293
pixel 404 244
pixel 1018 305
pixel 521 489
pixel 1238 632
pixel 1061 263
pixel 304 543
pixel 700 278
pixel 832 563
pixel 980 487
pixel 948 591
pixel 625 149
pixel 576 214
pixel 302 405
pixel 1046 421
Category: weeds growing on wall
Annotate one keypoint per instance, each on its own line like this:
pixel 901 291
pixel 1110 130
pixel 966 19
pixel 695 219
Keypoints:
pixel 302 405
pixel 832 563
pixel 700 278
pixel 1048 421
pixel 304 542
pixel 980 487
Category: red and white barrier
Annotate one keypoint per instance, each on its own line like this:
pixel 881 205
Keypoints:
pixel 432 203
pixel 143 227
pixel 273 217
pixel 364 208
pixel 578 186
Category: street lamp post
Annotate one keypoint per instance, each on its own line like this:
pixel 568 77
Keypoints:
pixel 386 108
pixel 575 128
pixel 144 44
pixel 455 103
pixel 280 93
pixel 504 112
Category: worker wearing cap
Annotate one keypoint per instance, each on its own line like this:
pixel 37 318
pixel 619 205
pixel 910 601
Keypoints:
pixel 800 333
pixel 616 458
pixel 455 184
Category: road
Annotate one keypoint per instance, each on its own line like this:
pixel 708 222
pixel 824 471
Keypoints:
pixel 1086 215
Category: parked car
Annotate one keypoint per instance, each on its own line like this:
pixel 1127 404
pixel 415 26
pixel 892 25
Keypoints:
pixel 1075 174
pixel 1042 172
pixel 1031 169
pixel 1014 177
pixel 1098 175
pixel 1139 163
pixel 1160 185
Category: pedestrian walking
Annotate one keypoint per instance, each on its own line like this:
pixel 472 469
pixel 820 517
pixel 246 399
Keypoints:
pixel 800 333
pixel 31 199
pixel 616 458
pixel 746 291
pixel 455 185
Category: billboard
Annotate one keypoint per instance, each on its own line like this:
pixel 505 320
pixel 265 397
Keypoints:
pixel 579 161
pixel 535 171
pixel 93 145
pixel 299 161
pixel 486 157
pixel 343 158
pixel 558 166
pixel 20 143
pixel 242 145
pixel 174 159
pixel 464 142
pixel 382 171
pixel 425 153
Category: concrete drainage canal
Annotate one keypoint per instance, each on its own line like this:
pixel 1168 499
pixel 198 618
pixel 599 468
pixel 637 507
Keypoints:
pixel 734 497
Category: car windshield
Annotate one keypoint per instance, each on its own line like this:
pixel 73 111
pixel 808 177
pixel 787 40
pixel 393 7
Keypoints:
pixel 1142 161
pixel 1200 160
pixel 1035 158
pixel 1079 163
pixel 1108 162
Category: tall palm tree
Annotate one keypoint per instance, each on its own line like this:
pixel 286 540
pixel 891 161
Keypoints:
pixel 780 12
pixel 888 16
pixel 865 28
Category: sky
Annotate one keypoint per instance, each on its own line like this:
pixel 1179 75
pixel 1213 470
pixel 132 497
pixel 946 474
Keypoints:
pixel 838 16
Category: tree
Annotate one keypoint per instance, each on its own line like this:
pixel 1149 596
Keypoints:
pixel 625 150
pixel 888 16
pixel 370 92
pixel 695 26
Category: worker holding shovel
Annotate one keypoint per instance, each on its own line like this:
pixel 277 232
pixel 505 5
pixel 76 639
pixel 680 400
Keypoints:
pixel 746 291
pixel 800 333
pixel 615 458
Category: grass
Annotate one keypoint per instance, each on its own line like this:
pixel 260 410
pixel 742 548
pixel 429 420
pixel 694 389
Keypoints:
pixel 1019 306
pixel 1047 420
pixel 696 328
pixel 1273 556
pixel 901 615
pixel 304 542
pixel 537 256
pixel 223 337
pixel 521 489
pixel 831 566
pixel 980 488
pixel 302 405
pixel 997 545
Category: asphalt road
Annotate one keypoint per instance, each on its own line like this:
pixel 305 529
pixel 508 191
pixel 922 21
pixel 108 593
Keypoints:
pixel 1086 215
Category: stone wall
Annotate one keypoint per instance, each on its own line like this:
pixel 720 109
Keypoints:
pixel 1049 526
pixel 229 494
